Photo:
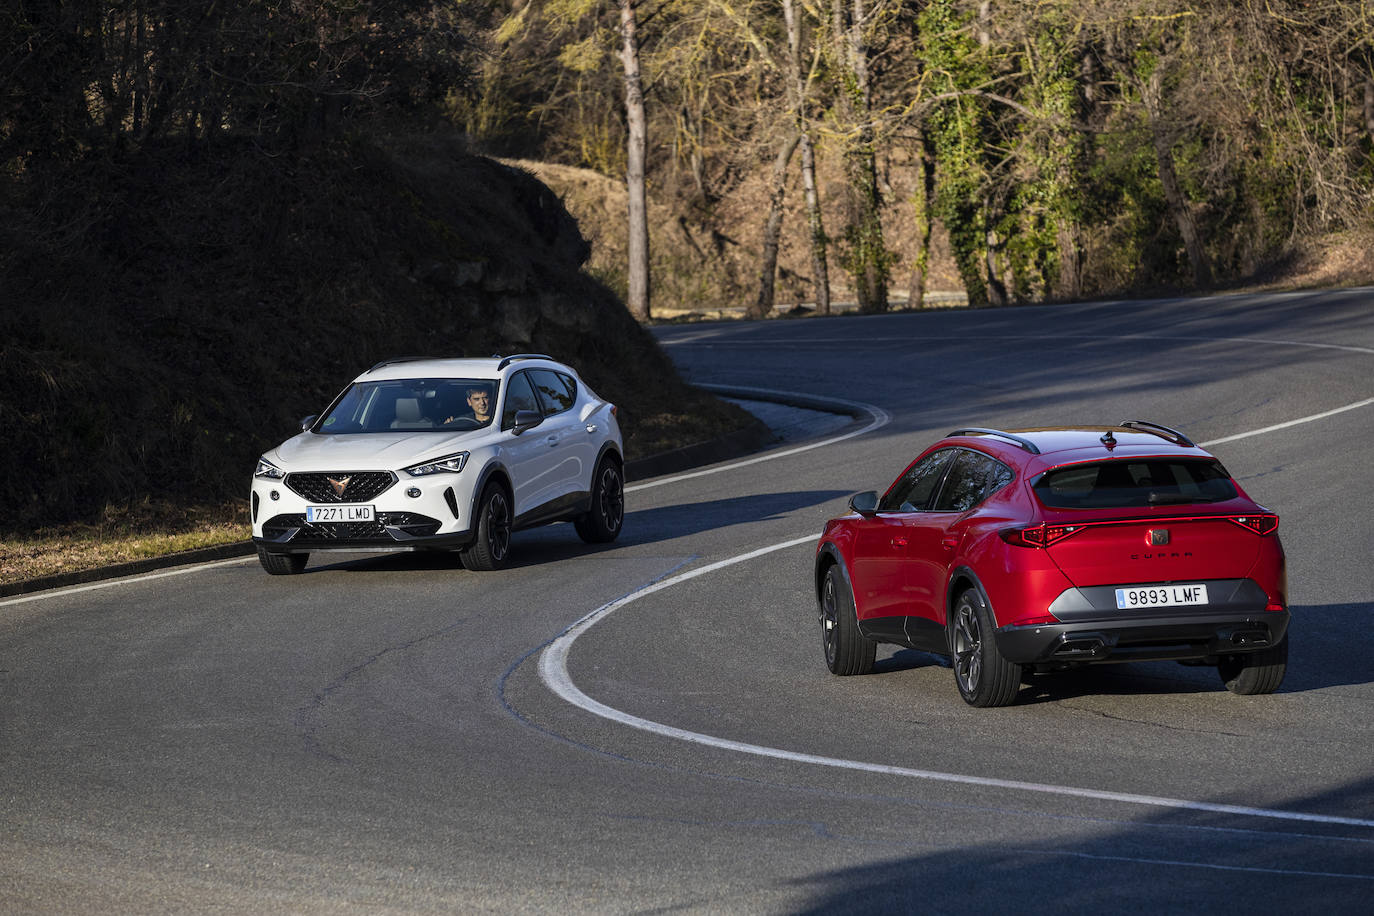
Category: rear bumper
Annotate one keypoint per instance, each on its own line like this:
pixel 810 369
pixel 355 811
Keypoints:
pixel 1182 637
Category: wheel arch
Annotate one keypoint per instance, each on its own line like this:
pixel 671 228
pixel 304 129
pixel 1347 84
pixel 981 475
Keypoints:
pixel 961 579
pixel 827 556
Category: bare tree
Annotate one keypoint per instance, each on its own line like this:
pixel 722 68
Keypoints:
pixel 638 268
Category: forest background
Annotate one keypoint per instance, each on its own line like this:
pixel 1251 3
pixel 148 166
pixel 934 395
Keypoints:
pixel 212 214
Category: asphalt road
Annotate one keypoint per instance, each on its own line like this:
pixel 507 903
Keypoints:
pixel 650 726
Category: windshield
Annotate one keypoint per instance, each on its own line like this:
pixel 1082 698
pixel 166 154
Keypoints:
pixel 1127 483
pixel 445 404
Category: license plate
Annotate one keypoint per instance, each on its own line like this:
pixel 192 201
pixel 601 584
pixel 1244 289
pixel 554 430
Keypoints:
pixel 1161 596
pixel 343 513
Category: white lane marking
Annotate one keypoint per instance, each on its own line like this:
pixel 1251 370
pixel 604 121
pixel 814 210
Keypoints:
pixel 553 671
pixel 878 418
pixel 1277 426
pixel 111 583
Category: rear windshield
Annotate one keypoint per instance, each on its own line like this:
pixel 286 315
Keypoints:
pixel 412 405
pixel 1134 484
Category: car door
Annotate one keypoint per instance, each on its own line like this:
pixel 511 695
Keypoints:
pixel 575 449
pixel 531 457
pixel 881 542
pixel 934 536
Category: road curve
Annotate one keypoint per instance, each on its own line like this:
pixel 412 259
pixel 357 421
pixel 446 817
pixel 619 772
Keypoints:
pixel 380 734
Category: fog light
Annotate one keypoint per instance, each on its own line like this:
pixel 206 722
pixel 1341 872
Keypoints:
pixel 275 495
pixel 413 492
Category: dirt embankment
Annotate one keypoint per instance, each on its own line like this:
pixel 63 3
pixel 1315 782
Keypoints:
pixel 171 313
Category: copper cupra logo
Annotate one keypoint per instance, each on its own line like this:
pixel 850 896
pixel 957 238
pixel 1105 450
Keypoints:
pixel 339 485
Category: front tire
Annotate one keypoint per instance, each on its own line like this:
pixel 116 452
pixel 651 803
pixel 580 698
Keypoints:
pixel 282 564
pixel 491 550
pixel 603 521
pixel 847 651
pixel 1255 672
pixel 984 676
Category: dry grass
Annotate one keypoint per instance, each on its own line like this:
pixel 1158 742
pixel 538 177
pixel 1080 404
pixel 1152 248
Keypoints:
pixel 121 535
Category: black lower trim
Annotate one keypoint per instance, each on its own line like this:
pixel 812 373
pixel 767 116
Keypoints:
pixel 1198 636
pixel 565 508
pixel 912 632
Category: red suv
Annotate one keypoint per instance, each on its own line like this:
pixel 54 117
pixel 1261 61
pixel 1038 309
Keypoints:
pixel 1035 550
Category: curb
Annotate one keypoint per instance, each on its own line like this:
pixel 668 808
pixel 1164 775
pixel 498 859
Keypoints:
pixel 752 438
pixel 131 568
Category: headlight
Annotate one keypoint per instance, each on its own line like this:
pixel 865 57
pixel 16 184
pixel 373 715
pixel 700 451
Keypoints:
pixel 268 469
pixel 450 464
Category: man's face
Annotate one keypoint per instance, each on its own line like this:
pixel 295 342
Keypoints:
pixel 480 402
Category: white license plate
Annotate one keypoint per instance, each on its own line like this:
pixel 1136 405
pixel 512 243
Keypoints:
pixel 342 513
pixel 1161 596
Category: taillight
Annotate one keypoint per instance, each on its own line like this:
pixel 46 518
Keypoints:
pixel 1041 535
pixel 1260 524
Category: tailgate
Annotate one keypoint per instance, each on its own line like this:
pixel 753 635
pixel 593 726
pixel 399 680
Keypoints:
pixel 1156 550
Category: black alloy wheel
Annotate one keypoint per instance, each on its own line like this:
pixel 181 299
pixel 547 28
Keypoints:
pixel 491 549
pixel 984 676
pixel 847 651
pixel 602 523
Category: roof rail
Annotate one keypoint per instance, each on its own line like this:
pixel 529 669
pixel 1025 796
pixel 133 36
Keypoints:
pixel 515 356
pixel 399 359
pixel 1019 440
pixel 1164 432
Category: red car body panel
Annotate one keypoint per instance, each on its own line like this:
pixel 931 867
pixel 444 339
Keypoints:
pixel 906 568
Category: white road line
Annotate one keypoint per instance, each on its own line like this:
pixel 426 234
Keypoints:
pixel 1278 426
pixel 878 418
pixel 111 583
pixel 553 671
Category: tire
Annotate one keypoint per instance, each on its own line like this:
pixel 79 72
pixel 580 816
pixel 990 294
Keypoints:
pixel 491 549
pixel 847 651
pixel 603 521
pixel 984 677
pixel 282 564
pixel 1255 672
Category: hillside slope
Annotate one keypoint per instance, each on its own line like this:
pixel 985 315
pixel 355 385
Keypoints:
pixel 170 314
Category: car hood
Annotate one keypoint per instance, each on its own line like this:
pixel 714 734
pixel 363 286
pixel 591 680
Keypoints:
pixel 370 451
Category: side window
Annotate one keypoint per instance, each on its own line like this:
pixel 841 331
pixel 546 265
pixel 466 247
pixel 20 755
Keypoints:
pixel 913 491
pixel 972 478
pixel 519 396
pixel 554 389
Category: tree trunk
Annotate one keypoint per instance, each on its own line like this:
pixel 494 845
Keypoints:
pixel 924 200
pixel 868 253
pixel 772 230
pixel 815 225
pixel 1369 108
pixel 1168 178
pixel 638 269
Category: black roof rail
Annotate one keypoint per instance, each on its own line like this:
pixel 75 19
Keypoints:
pixel 513 357
pixel 1164 432
pixel 400 359
pixel 1019 440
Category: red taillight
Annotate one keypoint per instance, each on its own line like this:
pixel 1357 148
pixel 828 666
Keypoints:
pixel 1260 524
pixel 1041 535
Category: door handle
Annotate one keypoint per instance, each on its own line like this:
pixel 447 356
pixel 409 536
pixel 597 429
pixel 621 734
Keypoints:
pixel 552 441
pixel 899 542
pixel 949 543
pixel 591 427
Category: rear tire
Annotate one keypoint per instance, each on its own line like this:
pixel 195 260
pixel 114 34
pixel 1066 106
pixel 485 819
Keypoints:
pixel 984 676
pixel 847 651
pixel 1255 672
pixel 491 550
pixel 282 564
pixel 603 521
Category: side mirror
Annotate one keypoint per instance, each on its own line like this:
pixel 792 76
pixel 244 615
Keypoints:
pixel 527 419
pixel 307 422
pixel 865 503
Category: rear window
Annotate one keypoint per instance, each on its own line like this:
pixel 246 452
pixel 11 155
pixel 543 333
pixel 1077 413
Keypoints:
pixel 1134 484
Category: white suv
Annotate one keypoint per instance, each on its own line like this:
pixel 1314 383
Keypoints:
pixel 450 454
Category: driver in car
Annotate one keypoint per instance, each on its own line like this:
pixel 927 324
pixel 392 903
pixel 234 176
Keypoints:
pixel 479 399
